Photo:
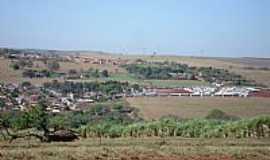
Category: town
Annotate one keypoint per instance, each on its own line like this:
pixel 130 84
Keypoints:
pixel 68 92
pixel 58 98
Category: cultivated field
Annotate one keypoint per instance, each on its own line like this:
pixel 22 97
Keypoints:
pixel 199 107
pixel 139 149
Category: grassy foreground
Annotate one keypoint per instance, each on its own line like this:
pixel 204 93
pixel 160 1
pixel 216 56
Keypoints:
pixel 139 149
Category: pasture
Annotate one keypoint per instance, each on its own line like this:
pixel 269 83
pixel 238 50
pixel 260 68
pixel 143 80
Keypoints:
pixel 199 107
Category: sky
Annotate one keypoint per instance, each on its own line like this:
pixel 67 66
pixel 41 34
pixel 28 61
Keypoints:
pixel 218 28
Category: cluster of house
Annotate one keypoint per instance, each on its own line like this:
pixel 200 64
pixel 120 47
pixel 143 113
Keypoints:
pixel 26 56
pixel 21 97
pixel 16 97
pixel 97 60
pixel 205 91
pixel 60 102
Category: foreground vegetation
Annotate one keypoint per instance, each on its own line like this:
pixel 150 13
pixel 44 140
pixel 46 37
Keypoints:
pixel 197 128
pixel 106 121
pixel 139 149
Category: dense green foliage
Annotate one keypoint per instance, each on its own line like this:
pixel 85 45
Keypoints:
pixel 95 73
pixel 2 103
pixel 31 73
pixel 35 118
pixel 107 87
pixel 15 66
pixel 157 70
pixel 172 70
pixel 196 128
pixel 211 74
pixel 117 120
pixel 105 73
pixel 100 113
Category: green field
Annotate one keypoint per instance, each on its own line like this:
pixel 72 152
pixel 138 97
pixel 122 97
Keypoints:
pixel 139 149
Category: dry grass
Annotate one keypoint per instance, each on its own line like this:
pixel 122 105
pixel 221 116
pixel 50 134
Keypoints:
pixel 7 74
pixel 260 76
pixel 139 149
pixel 66 66
pixel 198 107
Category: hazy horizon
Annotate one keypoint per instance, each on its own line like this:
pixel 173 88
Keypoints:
pixel 134 53
pixel 186 28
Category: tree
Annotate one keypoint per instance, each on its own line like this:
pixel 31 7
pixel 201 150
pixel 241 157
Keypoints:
pixel 136 87
pixel 96 73
pixel 220 115
pixel 15 66
pixel 72 72
pixel 105 73
pixel 29 73
pixel 26 84
pixel 53 65
pixel 2 104
pixel 38 120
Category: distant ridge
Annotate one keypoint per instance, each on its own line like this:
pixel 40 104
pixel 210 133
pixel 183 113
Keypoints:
pixel 86 52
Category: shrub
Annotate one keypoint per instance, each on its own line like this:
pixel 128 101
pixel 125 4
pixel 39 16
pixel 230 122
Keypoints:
pixel 53 65
pixel 2 103
pixel 105 73
pixel 220 115
pixel 15 66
